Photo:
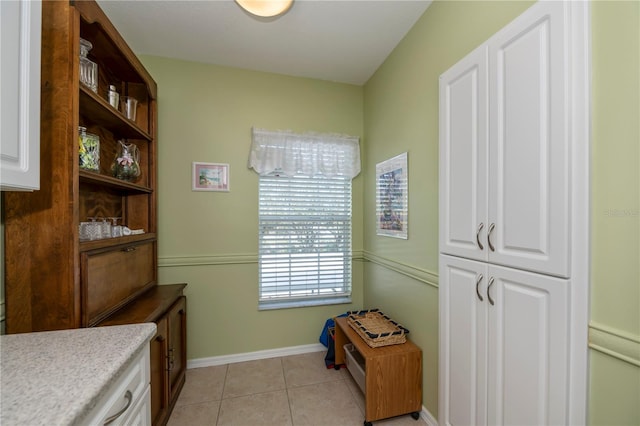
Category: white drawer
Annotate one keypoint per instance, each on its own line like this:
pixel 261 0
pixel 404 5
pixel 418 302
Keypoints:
pixel 127 391
pixel 140 413
pixel 356 365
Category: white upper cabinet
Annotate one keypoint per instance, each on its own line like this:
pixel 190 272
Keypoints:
pixel 504 148
pixel 20 29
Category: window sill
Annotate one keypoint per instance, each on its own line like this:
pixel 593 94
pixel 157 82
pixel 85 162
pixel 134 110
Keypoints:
pixel 267 306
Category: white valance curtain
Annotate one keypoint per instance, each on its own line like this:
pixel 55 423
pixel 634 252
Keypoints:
pixel 309 154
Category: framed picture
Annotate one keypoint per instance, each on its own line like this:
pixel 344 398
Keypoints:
pixel 210 177
pixel 392 197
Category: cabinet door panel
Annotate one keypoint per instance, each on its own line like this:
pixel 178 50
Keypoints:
pixel 20 32
pixel 529 143
pixel 177 318
pixel 528 341
pixel 111 277
pixel 463 156
pixel 159 381
pixel 463 342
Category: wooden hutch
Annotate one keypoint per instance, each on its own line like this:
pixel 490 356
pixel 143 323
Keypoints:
pixel 53 279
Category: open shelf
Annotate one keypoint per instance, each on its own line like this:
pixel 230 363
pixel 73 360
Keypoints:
pixel 114 51
pixel 101 112
pixel 113 183
pixel 112 242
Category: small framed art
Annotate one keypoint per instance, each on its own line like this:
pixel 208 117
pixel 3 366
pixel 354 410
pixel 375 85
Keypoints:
pixel 392 197
pixel 210 177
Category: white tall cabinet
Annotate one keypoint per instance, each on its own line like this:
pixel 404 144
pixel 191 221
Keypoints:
pixel 513 233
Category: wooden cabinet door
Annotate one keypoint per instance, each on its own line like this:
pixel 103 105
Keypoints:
pixel 463 157
pixel 114 275
pixel 177 321
pixel 463 342
pixel 528 348
pixel 529 168
pixel 159 378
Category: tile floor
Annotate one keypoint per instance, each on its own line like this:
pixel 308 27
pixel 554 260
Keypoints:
pixel 293 390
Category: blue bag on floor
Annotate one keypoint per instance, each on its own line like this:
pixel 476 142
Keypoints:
pixel 327 338
pixel 324 336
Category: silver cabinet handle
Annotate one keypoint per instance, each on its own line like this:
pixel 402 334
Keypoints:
pixel 491 228
pixel 128 397
pixel 128 249
pixel 478 236
pixel 478 281
pixel 489 288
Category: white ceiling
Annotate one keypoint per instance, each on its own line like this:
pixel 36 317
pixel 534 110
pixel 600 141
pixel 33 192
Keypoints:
pixel 335 40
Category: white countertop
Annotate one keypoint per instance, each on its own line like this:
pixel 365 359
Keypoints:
pixel 57 377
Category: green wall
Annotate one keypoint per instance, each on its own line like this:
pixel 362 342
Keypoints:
pixel 401 114
pixel 614 333
pixel 209 239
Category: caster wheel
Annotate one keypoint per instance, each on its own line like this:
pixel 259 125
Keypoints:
pixel 366 423
pixel 415 415
pixel 336 367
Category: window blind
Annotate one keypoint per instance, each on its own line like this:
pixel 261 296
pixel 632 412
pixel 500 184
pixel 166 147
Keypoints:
pixel 304 239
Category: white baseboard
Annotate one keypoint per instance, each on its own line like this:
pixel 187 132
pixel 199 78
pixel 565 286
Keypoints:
pixel 428 417
pixel 252 356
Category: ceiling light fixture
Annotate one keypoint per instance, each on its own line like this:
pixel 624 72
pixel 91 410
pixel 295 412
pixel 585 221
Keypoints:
pixel 265 8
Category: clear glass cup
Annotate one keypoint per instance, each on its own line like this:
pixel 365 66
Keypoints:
pixel 105 228
pixel 129 107
pixel 84 231
pixel 116 230
pixel 94 229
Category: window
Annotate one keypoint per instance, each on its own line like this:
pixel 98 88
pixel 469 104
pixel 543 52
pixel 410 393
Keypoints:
pixel 304 246
pixel 304 240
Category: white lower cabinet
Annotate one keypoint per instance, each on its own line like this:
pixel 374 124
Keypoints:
pixel 140 414
pixel 504 347
pixel 128 399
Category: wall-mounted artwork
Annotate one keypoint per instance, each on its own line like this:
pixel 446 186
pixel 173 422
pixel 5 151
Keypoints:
pixel 210 177
pixel 392 196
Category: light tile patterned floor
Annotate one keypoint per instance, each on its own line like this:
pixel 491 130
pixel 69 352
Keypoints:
pixel 295 390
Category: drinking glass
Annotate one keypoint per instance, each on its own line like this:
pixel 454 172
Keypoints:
pixel 94 229
pixel 116 230
pixel 129 106
pixel 105 228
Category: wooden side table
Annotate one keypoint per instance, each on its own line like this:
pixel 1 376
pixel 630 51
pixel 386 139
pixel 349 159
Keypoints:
pixel 393 375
